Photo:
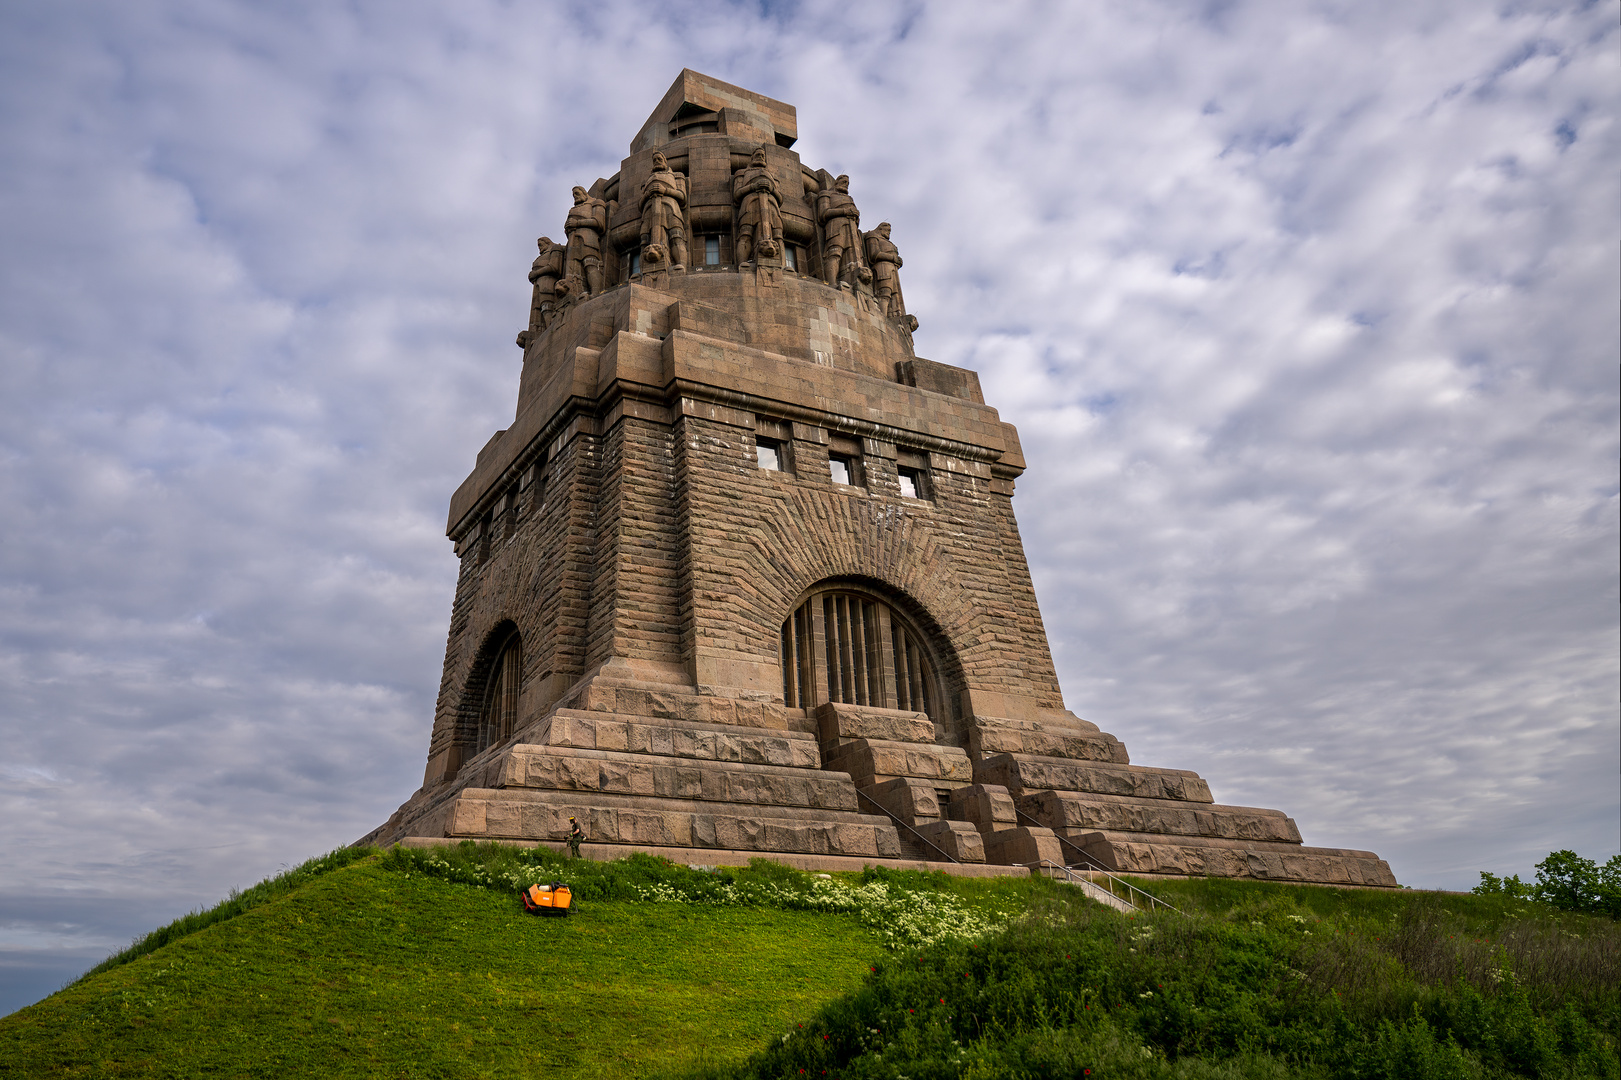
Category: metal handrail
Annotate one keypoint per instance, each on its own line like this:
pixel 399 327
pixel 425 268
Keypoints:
pixel 1092 866
pixel 920 837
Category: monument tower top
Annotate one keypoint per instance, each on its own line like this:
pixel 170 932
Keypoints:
pixel 743 576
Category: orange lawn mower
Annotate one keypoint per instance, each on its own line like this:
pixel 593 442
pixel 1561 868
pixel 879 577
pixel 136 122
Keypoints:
pixel 553 899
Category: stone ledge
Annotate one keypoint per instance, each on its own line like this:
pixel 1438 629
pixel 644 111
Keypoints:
pixel 1266 862
pixel 836 722
pixel 1024 774
pixel 597 771
pixel 875 761
pixel 684 739
pixel 1065 810
pixel 723 857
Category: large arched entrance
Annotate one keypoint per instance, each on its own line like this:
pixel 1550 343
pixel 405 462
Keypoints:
pixel 849 643
pixel 494 690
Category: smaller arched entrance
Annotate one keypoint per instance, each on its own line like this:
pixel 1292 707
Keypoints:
pixel 495 689
pixel 851 644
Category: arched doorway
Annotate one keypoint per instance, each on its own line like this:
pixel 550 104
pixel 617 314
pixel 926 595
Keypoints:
pixel 850 644
pixel 502 680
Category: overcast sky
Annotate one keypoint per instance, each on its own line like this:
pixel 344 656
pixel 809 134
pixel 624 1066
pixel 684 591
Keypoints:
pixel 1307 314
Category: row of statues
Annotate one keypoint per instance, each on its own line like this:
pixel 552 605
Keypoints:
pixel 564 274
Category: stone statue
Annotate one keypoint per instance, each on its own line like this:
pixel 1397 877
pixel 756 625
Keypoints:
pixel 885 261
pixel 664 216
pixel 587 222
pixel 759 203
pixel 543 275
pixel 841 234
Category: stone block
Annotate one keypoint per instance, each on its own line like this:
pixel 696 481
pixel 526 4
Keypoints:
pixel 910 800
pixel 988 736
pixel 1023 846
pixel 467 818
pixel 959 839
pixel 1020 774
pixel 1077 810
pixel 987 807
pixel 837 722
pixel 871 761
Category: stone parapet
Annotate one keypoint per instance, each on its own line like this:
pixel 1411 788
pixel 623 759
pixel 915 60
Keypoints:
pixel 989 736
pixel 1021 773
pixel 836 723
pixel 1142 853
pixel 704 741
pixel 591 771
pixel 988 807
pixel 483 813
pixel 1077 810
pixel 875 761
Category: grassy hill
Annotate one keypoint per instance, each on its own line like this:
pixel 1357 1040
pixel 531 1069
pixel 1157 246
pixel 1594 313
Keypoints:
pixel 423 964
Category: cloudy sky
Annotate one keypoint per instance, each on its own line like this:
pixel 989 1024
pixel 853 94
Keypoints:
pixel 1307 313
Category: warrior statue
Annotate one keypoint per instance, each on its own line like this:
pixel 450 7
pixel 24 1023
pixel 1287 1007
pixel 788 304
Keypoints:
pixel 841 234
pixel 543 275
pixel 587 221
pixel 759 204
pixel 664 215
pixel 885 260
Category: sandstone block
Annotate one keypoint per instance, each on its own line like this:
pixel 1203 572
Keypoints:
pixel 1021 774
pixel 874 760
pixel 1023 846
pixel 836 722
pixel 987 807
pixel 959 839
pixel 988 736
pixel 910 800
pixel 1078 810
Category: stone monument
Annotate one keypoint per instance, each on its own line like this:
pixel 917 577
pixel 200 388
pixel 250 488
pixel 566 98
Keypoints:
pixel 743 577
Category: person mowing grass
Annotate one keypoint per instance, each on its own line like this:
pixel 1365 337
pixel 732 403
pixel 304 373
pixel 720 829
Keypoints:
pixel 575 835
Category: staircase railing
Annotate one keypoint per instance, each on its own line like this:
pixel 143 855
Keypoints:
pixel 1090 866
pixel 944 856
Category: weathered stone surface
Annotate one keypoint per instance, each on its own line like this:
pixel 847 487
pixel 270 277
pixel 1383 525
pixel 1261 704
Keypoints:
pixel 871 761
pixel 1146 854
pixel 1077 810
pixel 566 769
pixel 1024 846
pixel 913 801
pixel 836 722
pixel 987 807
pixel 688 740
pixel 1021 774
pixel 988 736
pixel 958 839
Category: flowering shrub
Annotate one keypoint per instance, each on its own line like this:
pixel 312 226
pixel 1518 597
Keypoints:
pixel 901 918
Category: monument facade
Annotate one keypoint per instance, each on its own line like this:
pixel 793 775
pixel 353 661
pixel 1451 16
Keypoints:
pixel 743 574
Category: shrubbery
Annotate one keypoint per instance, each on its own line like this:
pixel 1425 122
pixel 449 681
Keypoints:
pixel 905 909
pixel 1565 880
pixel 1261 990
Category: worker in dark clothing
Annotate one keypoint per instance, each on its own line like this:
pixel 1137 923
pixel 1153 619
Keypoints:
pixel 575 835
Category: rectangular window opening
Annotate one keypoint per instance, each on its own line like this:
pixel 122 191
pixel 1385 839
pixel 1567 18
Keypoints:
pixel 841 468
pixel 768 453
pixel 790 257
pixel 711 251
pixel 914 484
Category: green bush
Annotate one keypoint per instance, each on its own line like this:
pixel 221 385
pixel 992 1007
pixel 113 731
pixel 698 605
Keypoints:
pixel 1260 987
pixel 1566 881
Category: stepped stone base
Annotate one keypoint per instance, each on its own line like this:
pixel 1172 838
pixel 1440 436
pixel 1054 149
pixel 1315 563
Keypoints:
pixel 716 781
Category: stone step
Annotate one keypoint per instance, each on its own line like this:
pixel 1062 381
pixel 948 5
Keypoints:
pixel 1026 773
pixel 988 736
pixel 1067 810
pixel 680 739
pixel 523 814
pixel 565 768
pixel 1146 853
pixel 876 761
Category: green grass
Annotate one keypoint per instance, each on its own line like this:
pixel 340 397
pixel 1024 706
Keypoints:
pixel 364 971
pixel 416 963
